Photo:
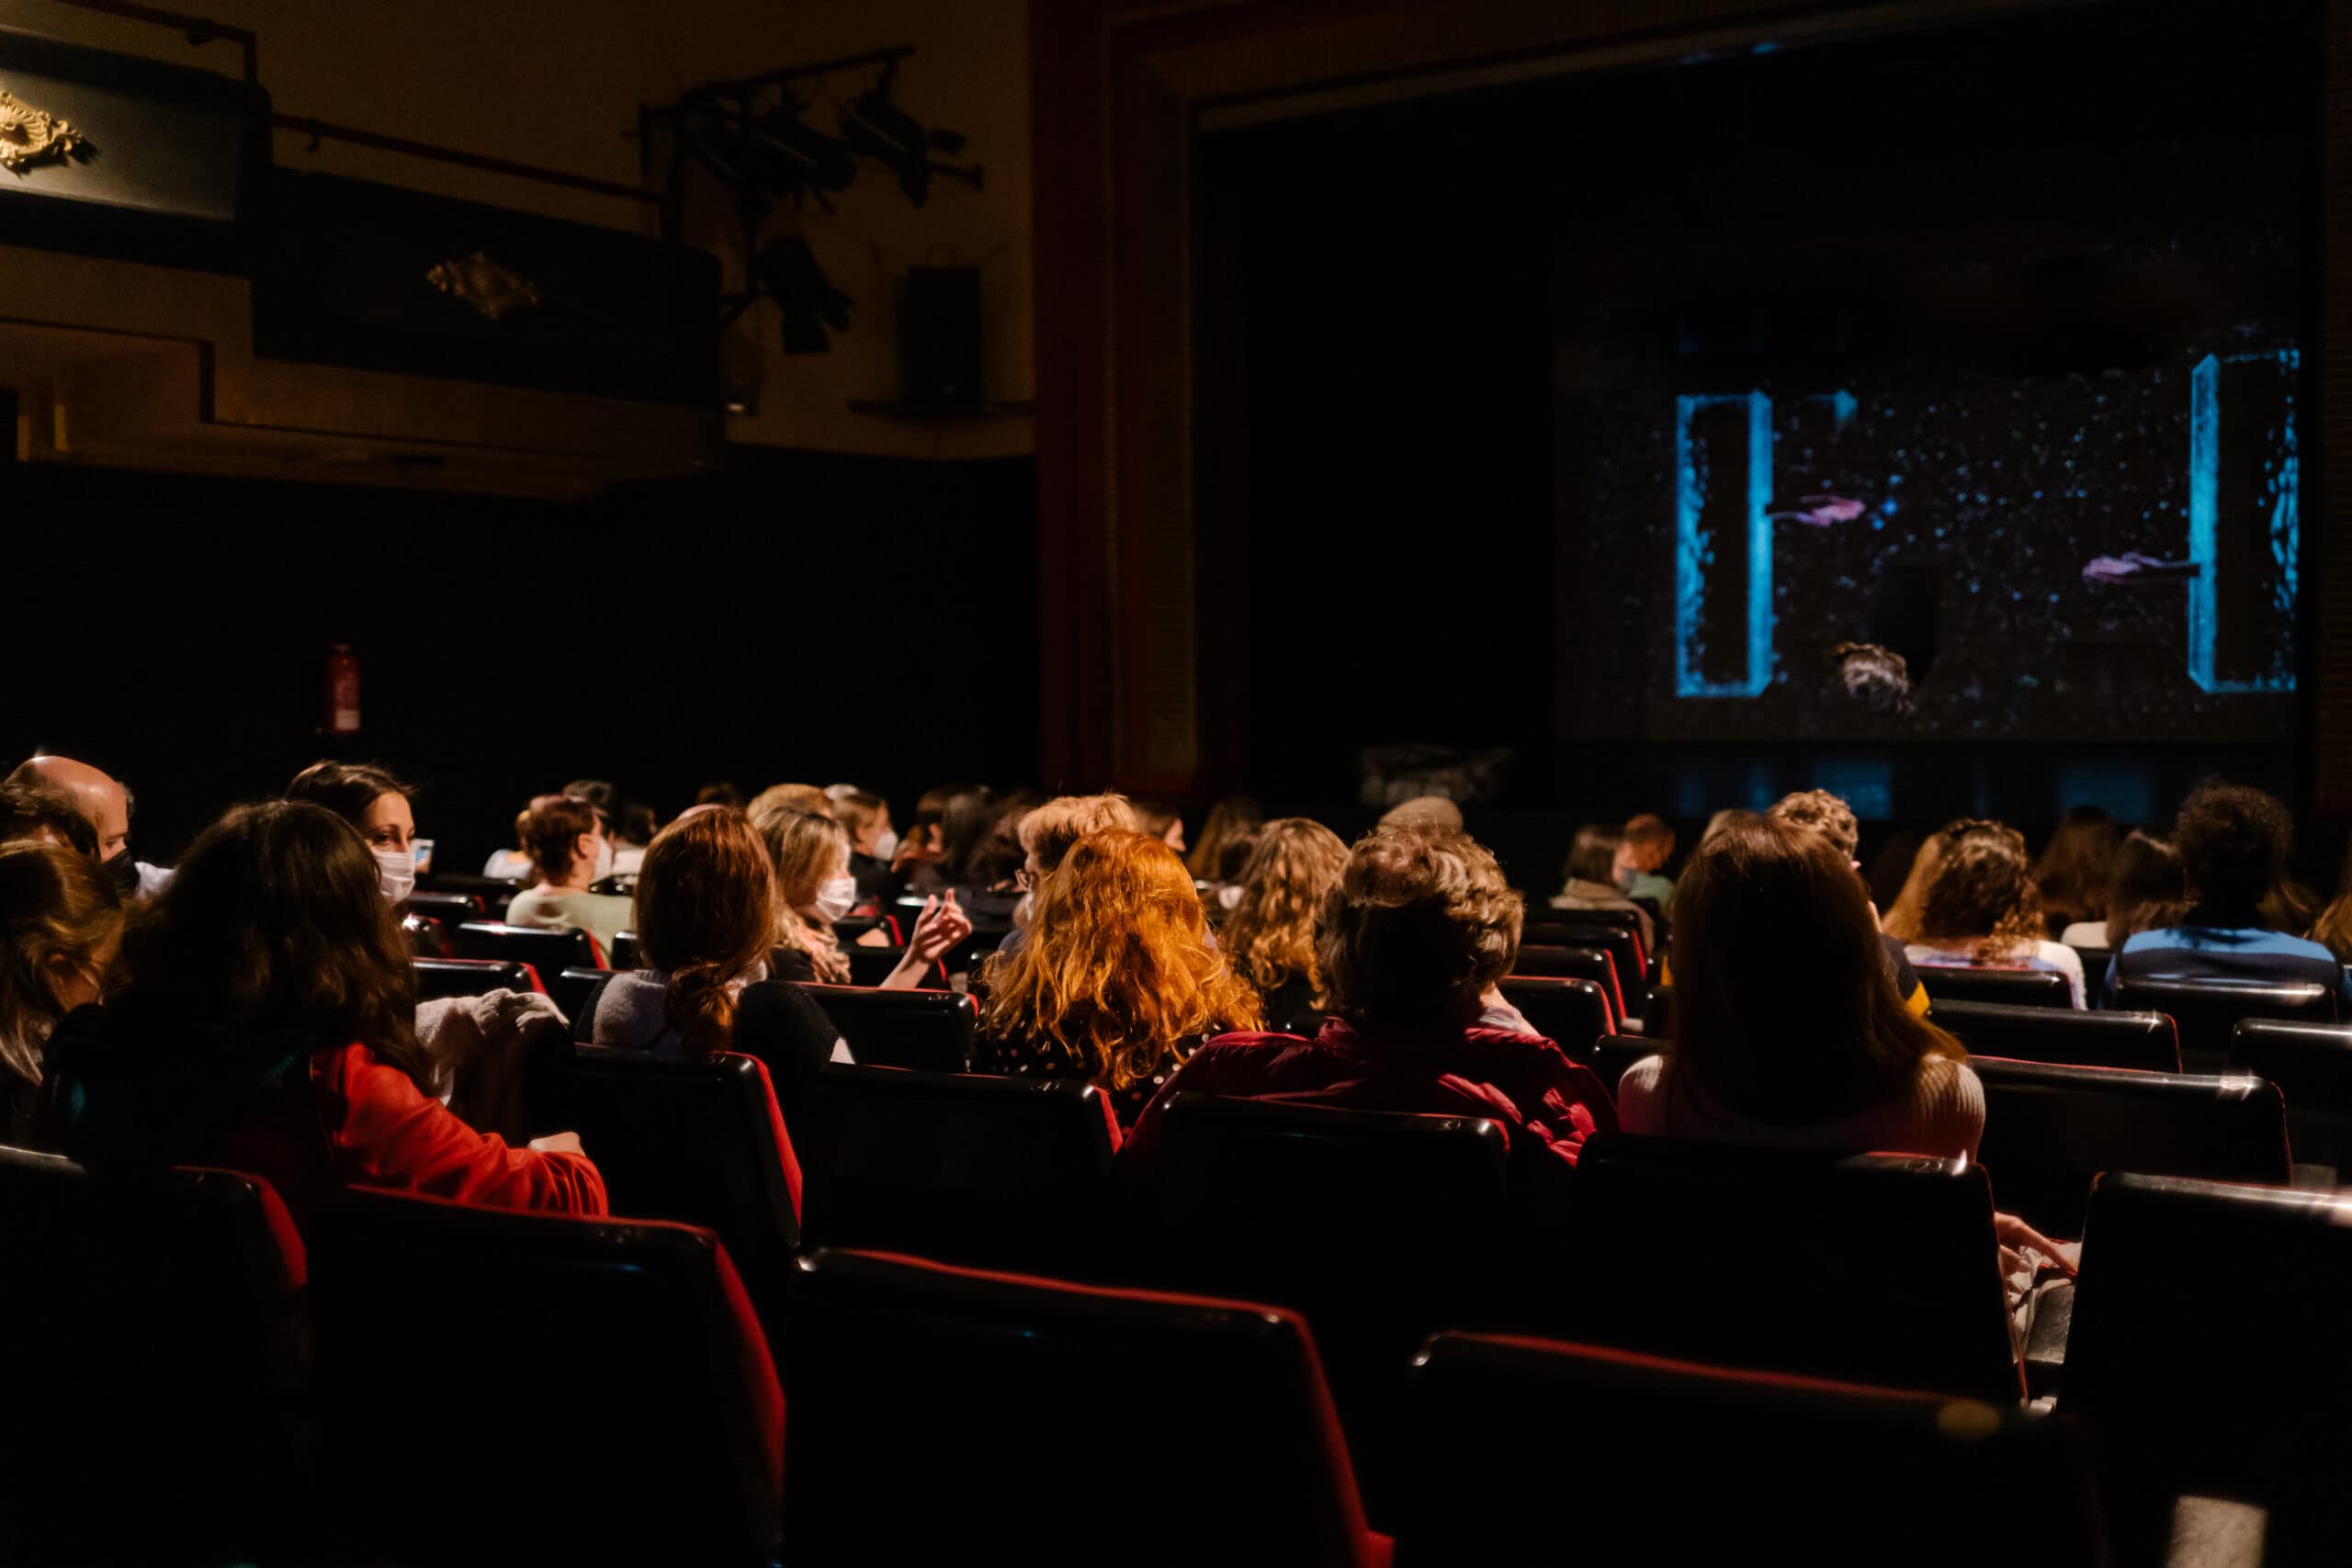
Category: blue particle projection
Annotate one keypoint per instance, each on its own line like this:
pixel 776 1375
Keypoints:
pixel 2275 494
pixel 1696 536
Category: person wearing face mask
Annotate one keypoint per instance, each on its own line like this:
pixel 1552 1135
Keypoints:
pixel 107 806
pixel 569 847
pixel 369 797
pixel 872 843
pixel 61 924
pixel 814 888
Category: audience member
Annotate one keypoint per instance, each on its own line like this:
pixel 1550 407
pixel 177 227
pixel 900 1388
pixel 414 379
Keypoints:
pixel 107 806
pixel 45 815
pixel 1796 1038
pixel 1047 836
pixel 372 800
pixel 705 919
pixel 2143 891
pixel 571 854
pixel 722 792
pixel 2075 867
pixel 1901 920
pixel 2331 931
pixel 268 1028
pixel 1818 812
pixel 992 886
pixel 965 821
pixel 1230 821
pixel 1725 819
pixel 1162 821
pixel 777 799
pixel 515 864
pixel 1433 812
pixel 1117 982
pixel 635 835
pixel 600 794
pixel 1270 936
pixel 923 840
pixel 1592 879
pixel 814 888
pixel 60 923
pixel 2233 843
pixel 1642 856
pixel 1410 945
pixel 871 841
pixel 1984 911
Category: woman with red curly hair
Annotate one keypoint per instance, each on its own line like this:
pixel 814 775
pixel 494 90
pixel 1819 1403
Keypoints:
pixel 1117 981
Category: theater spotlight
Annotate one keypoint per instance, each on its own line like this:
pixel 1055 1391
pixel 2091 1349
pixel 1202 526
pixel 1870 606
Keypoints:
pixel 876 128
pixel 786 270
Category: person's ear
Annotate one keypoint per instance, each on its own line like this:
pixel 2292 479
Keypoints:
pixel 584 846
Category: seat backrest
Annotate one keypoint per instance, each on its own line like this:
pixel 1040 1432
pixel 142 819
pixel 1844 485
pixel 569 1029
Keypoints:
pixel 1612 1054
pixel 624 954
pixel 2312 1064
pixel 574 987
pixel 1623 942
pixel 426 939
pixel 449 909
pixel 2141 1040
pixel 2095 963
pixel 1698 1250
pixel 700 1143
pixel 872 965
pixel 924 1397
pixel 2010 987
pixel 157 1326
pixel 1572 1013
pixel 2207 1012
pixel 629 1341
pixel 1850 1471
pixel 1577 962
pixel 2048 1130
pixel 922 1031
pixel 549 952
pixel 989 1170
pixel 472 977
pixel 2208 1355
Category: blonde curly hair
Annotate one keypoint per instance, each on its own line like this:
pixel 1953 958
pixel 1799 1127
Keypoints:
pixel 1270 935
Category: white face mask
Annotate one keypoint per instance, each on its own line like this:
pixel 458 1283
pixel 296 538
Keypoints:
pixel 834 898
pixel 603 860
pixel 396 869
pixel 886 845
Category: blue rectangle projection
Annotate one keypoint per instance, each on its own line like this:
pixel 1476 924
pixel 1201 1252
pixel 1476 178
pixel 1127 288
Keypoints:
pixel 2248 481
pixel 1698 529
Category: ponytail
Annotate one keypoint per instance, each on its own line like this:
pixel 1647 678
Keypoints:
pixel 700 1005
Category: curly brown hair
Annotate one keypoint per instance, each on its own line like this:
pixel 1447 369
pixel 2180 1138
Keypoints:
pixel 1824 814
pixel 1420 924
pixel 1270 935
pixel 1983 890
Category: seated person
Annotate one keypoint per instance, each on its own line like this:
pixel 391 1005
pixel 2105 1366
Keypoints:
pixel 1047 834
pixel 635 835
pixel 1270 936
pixel 61 923
pixel 569 846
pixel 1592 879
pixel 515 864
pixel 377 803
pixel 871 841
pixel 1819 812
pixel 1984 911
pixel 268 1027
pixel 1421 927
pixel 1642 856
pixel 706 921
pixel 2233 843
pixel 2075 868
pixel 2145 891
pixel 106 805
pixel 1233 820
pixel 814 888
pixel 1901 919
pixel 1798 1039
pixel 1117 982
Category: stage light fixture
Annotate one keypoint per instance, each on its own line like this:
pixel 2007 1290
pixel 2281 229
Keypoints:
pixel 877 128
pixel 786 271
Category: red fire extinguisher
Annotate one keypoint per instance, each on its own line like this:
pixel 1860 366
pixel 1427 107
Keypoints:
pixel 342 691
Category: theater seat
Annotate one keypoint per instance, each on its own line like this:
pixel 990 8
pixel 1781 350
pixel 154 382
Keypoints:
pixel 1004 1172
pixel 944 1414
pixel 2048 1130
pixel 2010 987
pixel 1672 1462
pixel 698 1141
pixel 924 1031
pixel 574 986
pixel 2312 1064
pixel 1318 1210
pixel 449 909
pixel 1571 1013
pixel 549 952
pixel 872 965
pixel 1577 963
pixel 506 1387
pixel 1621 942
pixel 2207 1012
pixel 425 937
pixel 2141 1040
pixel 624 954
pixel 1878 1268
pixel 2209 1357
pixel 1612 1054
pixel 149 1411
pixel 472 977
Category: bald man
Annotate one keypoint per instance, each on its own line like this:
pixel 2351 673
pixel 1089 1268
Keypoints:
pixel 106 805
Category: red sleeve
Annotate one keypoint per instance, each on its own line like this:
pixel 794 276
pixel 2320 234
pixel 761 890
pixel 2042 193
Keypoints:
pixel 387 1133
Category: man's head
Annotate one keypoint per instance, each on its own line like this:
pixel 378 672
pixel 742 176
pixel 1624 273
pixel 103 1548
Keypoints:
pixel 1649 844
pixel 103 802
pixel 1432 813
pixel 2233 843
pixel 1818 811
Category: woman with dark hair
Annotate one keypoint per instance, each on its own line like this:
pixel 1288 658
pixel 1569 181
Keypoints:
pixel 369 797
pixel 1787 1028
pixel 61 923
pixel 569 847
pixel 633 837
pixel 1984 911
pixel 2143 890
pixel 2074 869
pixel 964 826
pixel 1235 819
pixel 1592 877
pixel 268 1027
pixel 1270 936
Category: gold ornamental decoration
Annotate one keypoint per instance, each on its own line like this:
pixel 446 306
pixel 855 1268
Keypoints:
pixel 29 136
pixel 483 284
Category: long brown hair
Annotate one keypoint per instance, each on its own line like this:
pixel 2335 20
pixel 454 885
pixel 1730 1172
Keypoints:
pixel 1983 892
pixel 1901 920
pixel 275 923
pixel 551 833
pixel 2075 867
pixel 2145 891
pixel 806 847
pixel 1235 817
pixel 1784 1004
pixel 53 902
pixel 706 917
pixel 1270 936
pixel 1117 970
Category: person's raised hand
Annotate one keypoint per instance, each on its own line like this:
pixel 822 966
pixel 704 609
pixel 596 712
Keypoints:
pixel 939 928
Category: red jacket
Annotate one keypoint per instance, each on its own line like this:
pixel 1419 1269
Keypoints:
pixel 352 1120
pixel 1521 1082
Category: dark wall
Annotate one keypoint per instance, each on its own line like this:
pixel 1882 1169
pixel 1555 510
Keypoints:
pixel 801 616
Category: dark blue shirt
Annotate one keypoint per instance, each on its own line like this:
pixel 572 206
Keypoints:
pixel 2227 953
